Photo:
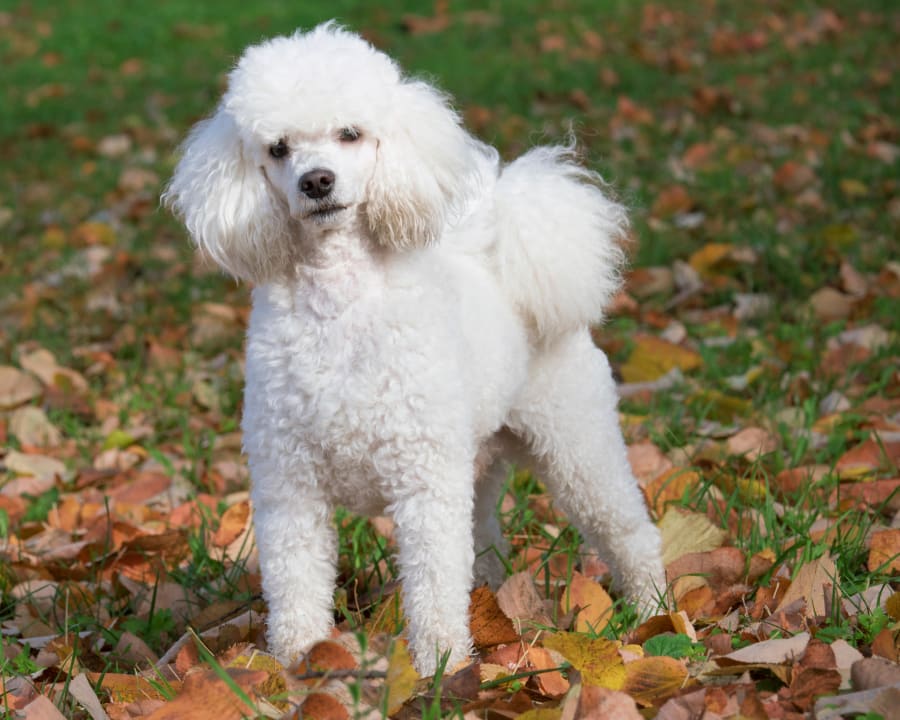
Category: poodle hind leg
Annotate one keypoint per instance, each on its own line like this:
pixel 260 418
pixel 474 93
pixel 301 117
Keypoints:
pixel 568 415
pixel 492 469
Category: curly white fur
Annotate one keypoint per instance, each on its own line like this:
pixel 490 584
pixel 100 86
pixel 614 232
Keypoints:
pixel 415 305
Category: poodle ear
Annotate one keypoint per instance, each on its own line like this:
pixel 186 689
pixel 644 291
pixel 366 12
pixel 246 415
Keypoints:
pixel 226 203
pixel 423 170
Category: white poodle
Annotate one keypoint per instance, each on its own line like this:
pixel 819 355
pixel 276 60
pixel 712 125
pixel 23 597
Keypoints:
pixel 418 310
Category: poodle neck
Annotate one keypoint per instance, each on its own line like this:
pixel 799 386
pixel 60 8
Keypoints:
pixel 340 268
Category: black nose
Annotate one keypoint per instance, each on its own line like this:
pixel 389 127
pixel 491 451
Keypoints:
pixel 317 183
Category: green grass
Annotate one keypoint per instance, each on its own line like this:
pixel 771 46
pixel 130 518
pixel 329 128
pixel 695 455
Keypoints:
pixel 525 72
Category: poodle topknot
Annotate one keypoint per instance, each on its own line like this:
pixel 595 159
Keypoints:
pixel 420 317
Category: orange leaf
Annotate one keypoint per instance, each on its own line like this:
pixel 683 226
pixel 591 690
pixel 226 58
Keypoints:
pixel 594 603
pixel 884 553
pixel 551 684
pixel 670 487
pixel 322 706
pixel 671 201
pixel 651 679
pixel 234 521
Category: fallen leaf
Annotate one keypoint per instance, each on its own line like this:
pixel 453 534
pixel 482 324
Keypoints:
pixel 815 674
pixel 551 683
pixel 38 466
pixel 873 672
pixel 810 584
pixel 652 358
pixel 590 702
pixel 866 458
pixel 597 659
pixel 670 488
pixel 685 532
pixel 829 304
pixel 41 709
pixel 487 622
pixel 778 651
pixel 520 601
pixel 593 602
pixel 652 679
pixel 647 461
pixel 751 443
pixel 31 426
pixel 233 523
pixel 884 552
pixel 401 677
pixel 323 706
pixel 17 388
pixel 879 702
pixel 671 201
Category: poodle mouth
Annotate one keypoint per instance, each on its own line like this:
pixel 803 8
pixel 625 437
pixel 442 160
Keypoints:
pixel 324 212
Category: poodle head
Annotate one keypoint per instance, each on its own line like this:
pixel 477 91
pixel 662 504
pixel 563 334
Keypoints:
pixel 319 132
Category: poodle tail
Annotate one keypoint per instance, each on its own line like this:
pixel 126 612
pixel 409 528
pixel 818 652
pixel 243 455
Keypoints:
pixel 559 245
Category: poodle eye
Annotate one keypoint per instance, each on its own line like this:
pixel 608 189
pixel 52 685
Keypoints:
pixel 348 134
pixel 278 150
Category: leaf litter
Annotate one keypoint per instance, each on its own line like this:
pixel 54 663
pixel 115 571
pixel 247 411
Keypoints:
pixel 760 400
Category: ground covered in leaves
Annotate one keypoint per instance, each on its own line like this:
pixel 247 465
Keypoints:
pixel 757 346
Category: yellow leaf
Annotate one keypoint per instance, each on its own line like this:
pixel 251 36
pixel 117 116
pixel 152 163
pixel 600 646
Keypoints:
pixel 597 659
pixel 401 677
pixel 117 439
pixel 853 188
pixel 541 714
pixel 653 678
pixel 892 606
pixel 709 256
pixel 684 532
pixel 653 357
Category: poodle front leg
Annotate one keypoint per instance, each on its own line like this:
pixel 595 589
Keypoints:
pixel 435 554
pixel 297 553
pixel 568 415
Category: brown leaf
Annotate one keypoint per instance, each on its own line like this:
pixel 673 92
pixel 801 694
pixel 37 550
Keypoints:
pixel 751 443
pixel 598 703
pixel 671 201
pixel 829 304
pixel 779 651
pixel 791 481
pixel 793 177
pixel 16 387
pixel 720 568
pixel 867 457
pixel 487 622
pixel 41 709
pixel 874 672
pixel 814 675
pixel 884 645
pixel 811 584
pixel 519 600
pixel 884 552
pixel 647 461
